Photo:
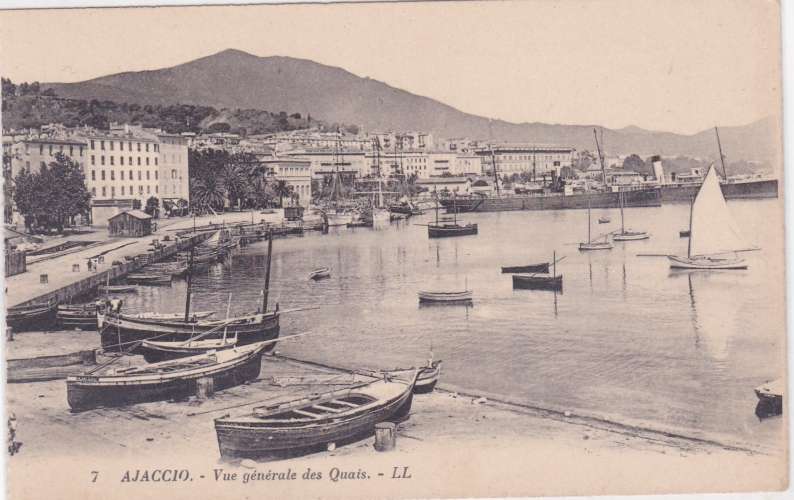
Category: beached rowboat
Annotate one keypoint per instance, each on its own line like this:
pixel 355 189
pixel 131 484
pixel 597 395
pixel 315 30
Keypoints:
pixel 154 351
pixel 162 381
pixel 313 422
pixel 32 316
pixel 320 273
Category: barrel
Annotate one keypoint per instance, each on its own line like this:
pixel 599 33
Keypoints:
pixel 385 436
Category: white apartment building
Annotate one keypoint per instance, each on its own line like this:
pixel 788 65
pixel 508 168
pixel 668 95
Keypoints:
pixel 33 153
pixel 517 158
pixel 122 167
pixel 326 162
pixel 174 182
pixel 467 164
pixel 295 172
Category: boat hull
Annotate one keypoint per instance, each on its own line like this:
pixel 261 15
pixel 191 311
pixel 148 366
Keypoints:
pixel 28 318
pixel 634 198
pixel 586 247
pixel 445 297
pixel 446 232
pixel 533 268
pixel 537 282
pixel 630 236
pixel 706 263
pixel 83 396
pixel 152 354
pixel 115 330
pixel 239 440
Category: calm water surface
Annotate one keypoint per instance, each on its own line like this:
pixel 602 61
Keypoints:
pixel 628 339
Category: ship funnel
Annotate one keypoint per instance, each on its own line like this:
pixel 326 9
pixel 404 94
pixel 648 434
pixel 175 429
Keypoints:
pixel 658 170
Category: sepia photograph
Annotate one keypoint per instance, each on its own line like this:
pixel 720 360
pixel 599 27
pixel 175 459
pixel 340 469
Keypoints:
pixel 454 249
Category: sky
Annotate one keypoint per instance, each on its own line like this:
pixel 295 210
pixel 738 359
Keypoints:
pixel 675 65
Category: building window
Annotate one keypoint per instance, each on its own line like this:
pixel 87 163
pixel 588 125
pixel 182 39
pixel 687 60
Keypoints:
pixel 49 147
pixel 129 148
pixel 102 145
pixel 173 173
pixel 121 145
pixel 111 145
pixel 71 150
pixel 139 146
pixel 147 147
pixel 122 175
pixel 121 159
pixel 104 191
pixel 130 160
pixel 111 160
pixel 147 175
pixel 148 189
pixel 93 192
pixel 112 175
pixel 139 175
pixel 139 161
pixel 93 160
pixel 112 191
pixel 130 176
pixel 131 191
pixel 155 162
pixel 122 190
pixel 93 175
pixel 102 175
pixel 93 145
pixel 156 190
pixel 155 175
pixel 102 160
pixel 147 161
pixel 140 189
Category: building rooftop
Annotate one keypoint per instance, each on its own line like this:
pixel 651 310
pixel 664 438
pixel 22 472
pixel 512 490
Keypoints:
pixel 138 214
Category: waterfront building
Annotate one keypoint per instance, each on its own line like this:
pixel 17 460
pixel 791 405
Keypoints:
pixel 31 154
pixel 467 164
pixel 173 175
pixel 296 172
pixel 130 223
pixel 327 161
pixel 528 158
pixel 457 185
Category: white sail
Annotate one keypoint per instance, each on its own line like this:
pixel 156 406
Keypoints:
pixel 713 230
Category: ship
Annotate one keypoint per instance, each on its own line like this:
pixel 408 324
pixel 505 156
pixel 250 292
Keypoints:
pixel 646 197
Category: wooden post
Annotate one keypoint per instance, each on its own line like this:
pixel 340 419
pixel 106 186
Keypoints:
pixel 266 291
pixel 189 279
pixel 205 387
pixel 385 436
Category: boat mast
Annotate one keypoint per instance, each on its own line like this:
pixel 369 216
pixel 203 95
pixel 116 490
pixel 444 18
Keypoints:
pixel 495 174
pixel 689 241
pixel 266 291
pixel 189 280
pixel 554 263
pixel 436 197
pixel 722 157
pixel 588 220
pixel 622 226
pixel 380 174
pixel 600 158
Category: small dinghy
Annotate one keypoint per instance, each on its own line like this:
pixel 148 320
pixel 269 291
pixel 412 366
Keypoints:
pixel 627 234
pixel 154 351
pixel 445 297
pixel 117 288
pixel 604 220
pixel 599 244
pixel 320 273
pixel 315 422
pixel 162 381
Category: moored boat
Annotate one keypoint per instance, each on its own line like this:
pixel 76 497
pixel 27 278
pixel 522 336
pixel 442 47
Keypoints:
pixel 444 229
pixel 537 281
pixel 771 393
pixel 38 316
pixel 154 351
pixel 531 268
pixel 117 288
pixel 79 316
pixel 445 297
pixel 627 234
pixel 320 273
pixel 604 220
pixel 149 279
pixel 599 244
pixel 312 423
pixel 166 380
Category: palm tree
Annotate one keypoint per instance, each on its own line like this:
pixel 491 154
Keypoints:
pixel 282 189
pixel 207 193
pixel 235 181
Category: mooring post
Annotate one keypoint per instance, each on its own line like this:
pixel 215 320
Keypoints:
pixel 385 436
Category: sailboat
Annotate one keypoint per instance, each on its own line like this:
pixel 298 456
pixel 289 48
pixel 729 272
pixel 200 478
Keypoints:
pixel 380 214
pixel 625 235
pixel 336 213
pixel 597 244
pixel 442 229
pixel 714 237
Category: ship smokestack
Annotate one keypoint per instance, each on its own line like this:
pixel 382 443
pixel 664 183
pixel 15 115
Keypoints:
pixel 658 170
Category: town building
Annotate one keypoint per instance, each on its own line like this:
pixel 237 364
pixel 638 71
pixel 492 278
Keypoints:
pixel 296 172
pixel 467 164
pixel 528 158
pixel 130 223
pixel 173 175
pixel 405 141
pixel 457 185
pixel 34 153
pixel 326 162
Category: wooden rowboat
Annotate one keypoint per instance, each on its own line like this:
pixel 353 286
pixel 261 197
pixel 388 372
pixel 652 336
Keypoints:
pixel 312 423
pixel 445 297
pixel 117 288
pixel 426 380
pixel 531 268
pixel 320 273
pixel 79 316
pixel 173 316
pixel 595 245
pixel 162 381
pixel 31 317
pixel 537 282
pixel 149 279
pixel 604 220
pixel 154 351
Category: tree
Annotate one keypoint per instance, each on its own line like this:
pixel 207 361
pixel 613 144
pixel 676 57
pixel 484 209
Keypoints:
pixel 633 162
pixel 207 193
pixel 219 127
pixel 9 88
pixel 152 204
pixel 53 196
pixel 282 189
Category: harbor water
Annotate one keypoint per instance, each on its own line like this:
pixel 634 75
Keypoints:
pixel 627 340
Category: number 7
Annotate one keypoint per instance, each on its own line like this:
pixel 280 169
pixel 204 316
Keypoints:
pixel 96 475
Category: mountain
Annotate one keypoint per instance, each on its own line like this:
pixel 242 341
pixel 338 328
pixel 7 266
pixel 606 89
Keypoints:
pixel 236 79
